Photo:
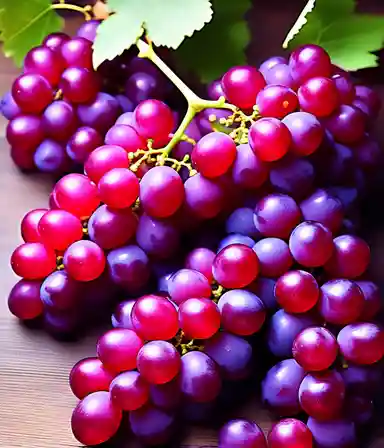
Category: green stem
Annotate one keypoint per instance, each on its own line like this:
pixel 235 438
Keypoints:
pixel 85 10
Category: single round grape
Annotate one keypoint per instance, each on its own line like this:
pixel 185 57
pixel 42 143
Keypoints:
pixel 309 61
pixel 248 170
pixel 322 394
pixel 33 261
pixel 345 88
pixel 99 114
pixel 276 101
pixel 24 300
pixel 82 143
pixel 8 106
pixel 306 132
pixel 50 157
pixel 84 261
pixel 187 283
pixel 215 90
pixel 25 133
pixel 88 376
pixel 129 391
pixel 270 139
pixel 58 229
pixel 88 30
pixel 77 52
pixel 166 396
pixel 281 74
pixel 350 257
pixel 30 225
pixel 76 194
pixel 311 244
pixel 112 228
pixel 45 62
pixel 367 154
pixel 121 318
pixel 161 192
pixel 203 197
pixel 241 85
pixel 283 329
pixel 362 380
pixel 341 301
pixel 54 41
pixel 290 433
pixel 271 62
pixel 286 377
pixel 264 289
pixel 370 98
pixel 241 221
pixel 372 299
pixel 318 96
pixel 199 318
pixel 104 159
pixel 59 121
pixel 235 266
pixel 60 292
pixel 274 257
pixel 347 124
pixel 79 85
pixel 118 349
pixel 127 119
pixel 201 260
pixel 32 93
pixel 144 86
pixel 126 137
pixel 158 362
pixel 241 434
pixel 119 188
pixel 129 267
pixel 154 120
pixel 155 318
pixel 235 238
pixel 95 419
pixel 297 291
pixel 340 433
pixel 276 215
pixel 242 312
pixel 362 343
pixel 315 349
pixel 200 379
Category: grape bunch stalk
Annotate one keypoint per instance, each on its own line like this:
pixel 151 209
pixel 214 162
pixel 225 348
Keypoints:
pixel 232 232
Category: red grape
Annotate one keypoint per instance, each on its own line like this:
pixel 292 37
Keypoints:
pixel 33 261
pixel 77 52
pixel 129 391
pixel 276 101
pixel 32 93
pixel 24 300
pixel 30 224
pixel 104 159
pixel 119 188
pixel 241 434
pixel 199 318
pixel 318 96
pixel 290 433
pixel 45 62
pixel 309 61
pixel 84 261
pixel 24 134
pixel 54 41
pixel 79 85
pixel 154 120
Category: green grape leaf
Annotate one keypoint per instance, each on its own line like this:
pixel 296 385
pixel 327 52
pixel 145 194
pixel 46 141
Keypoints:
pixel 165 22
pixel 220 44
pixel 24 24
pixel 349 37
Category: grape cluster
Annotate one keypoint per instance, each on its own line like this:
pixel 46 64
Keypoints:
pixel 245 237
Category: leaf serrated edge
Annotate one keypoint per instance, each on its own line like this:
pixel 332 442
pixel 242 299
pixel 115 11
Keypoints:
pixel 300 22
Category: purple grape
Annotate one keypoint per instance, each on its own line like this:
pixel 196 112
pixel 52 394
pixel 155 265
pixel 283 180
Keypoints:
pixel 143 86
pixel 122 315
pixel 241 221
pixel 50 157
pixel 82 143
pixel 270 63
pixel 264 288
pixel 59 121
pixel 88 30
pixel 166 396
pixel 8 106
pixel 367 153
pixel 248 171
pixel 274 257
pixel 126 105
pixel 241 434
pixel 99 114
pixel 281 75
pixel 340 433
pixel 362 380
pixel 203 197
pixel 61 292
pixel 235 238
pixel 215 90
pixel 126 118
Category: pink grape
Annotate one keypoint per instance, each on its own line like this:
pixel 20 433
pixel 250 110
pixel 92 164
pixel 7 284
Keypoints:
pixel 309 61
pixel 82 143
pixel 187 283
pixel 104 159
pixel 30 223
pixel 54 41
pixel 45 62
pixel 119 188
pixel 372 299
pixel 79 85
pixel 77 52
pixel 318 96
pixel 241 434
pixel 32 93
pixel 201 260
pixel 199 318
pixel 290 433
pixel 126 137
pixel 24 300
pixel 154 120
pixel 24 134
pixel 276 101
pixel 84 261
pixel 129 391
pixel 33 261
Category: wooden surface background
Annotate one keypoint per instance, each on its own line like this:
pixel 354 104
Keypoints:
pixel 35 400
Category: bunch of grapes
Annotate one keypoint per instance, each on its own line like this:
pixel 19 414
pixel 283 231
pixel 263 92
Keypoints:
pixel 252 220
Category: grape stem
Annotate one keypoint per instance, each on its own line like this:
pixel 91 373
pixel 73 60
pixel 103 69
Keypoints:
pixel 195 103
pixel 85 10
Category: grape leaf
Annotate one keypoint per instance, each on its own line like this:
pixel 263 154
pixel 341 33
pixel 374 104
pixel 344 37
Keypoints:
pixel 165 22
pixel 349 38
pixel 24 24
pixel 220 44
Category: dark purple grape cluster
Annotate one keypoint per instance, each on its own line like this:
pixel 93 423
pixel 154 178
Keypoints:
pixel 243 237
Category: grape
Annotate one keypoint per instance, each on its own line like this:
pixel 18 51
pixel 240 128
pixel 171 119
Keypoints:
pixel 318 96
pixel 361 380
pixel 309 61
pixel 205 119
pixel 154 120
pixel 281 74
pixel 88 29
pixel 297 291
pixel 50 157
pixel 372 299
pixel 59 121
pixel 129 267
pixel 77 52
pixel 283 329
pixel 84 261
pixel 158 362
pixel 370 98
pixel 155 318
pixel 242 312
pixel 24 300
pixel 264 289
pixel 241 434
pixel 54 41
pixel 215 90
pixel 126 119
pixel 362 343
pixel 118 349
pixel 76 194
pixel 161 192
pixel 235 238
pixel 82 143
pixel 203 197
pixel 8 106
pixel 290 433
pixel 25 133
pixel 276 101
pixel 126 137
pixel 235 266
pixel 151 425
pixel 306 132
pixel 199 318
pixel 99 114
pixel 280 387
pixel 199 377
pixel 45 62
pixel 23 160
pixel 344 87
pixel 350 257
pixel 29 225
pixel 166 396
pixel 341 302
pixel 315 349
pixel 122 315
pixel 88 376
pixel 274 257
pixel 129 391
pixel 79 85
pixel 270 139
pixel 248 170
pixel 241 85
pixel 62 324
pixel 33 261
pixel 144 86
pixel 201 260
pixel 125 104
pixel 276 215
pixel 58 229
pixel 104 159
pixel 187 283
pixel 241 221
pixel 311 244
pixel 347 124
pixel 269 63
pixel 32 93
pixel 95 419
pixel 367 154
pixel 327 434
pixel 358 409
pixel 59 291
